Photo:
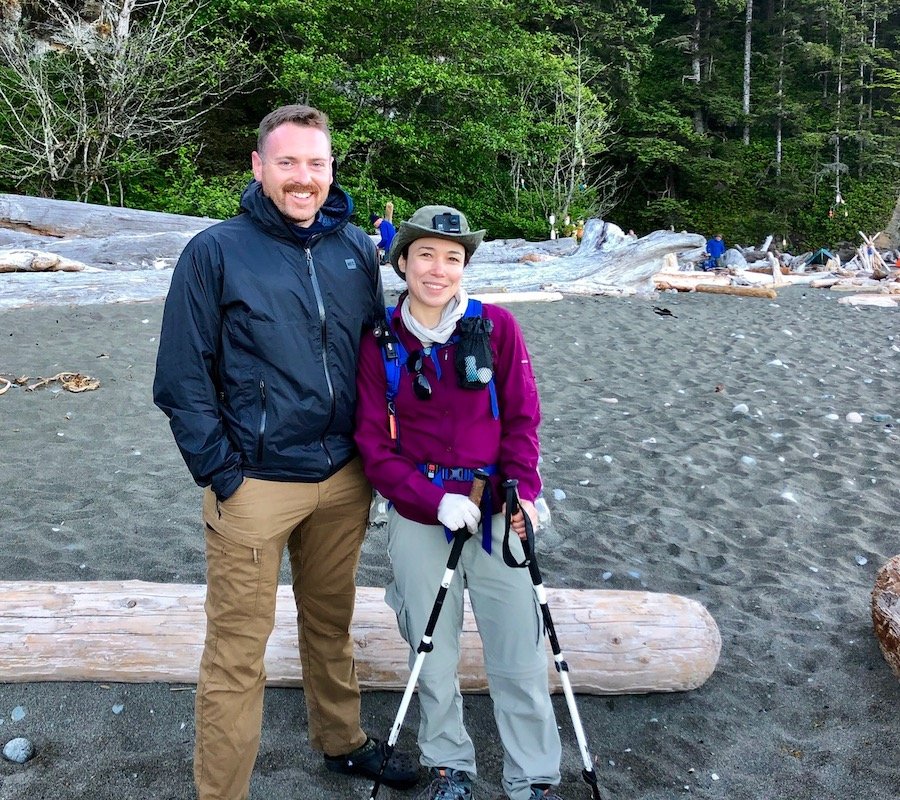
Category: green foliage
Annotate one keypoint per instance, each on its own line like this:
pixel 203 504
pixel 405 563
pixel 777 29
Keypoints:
pixel 181 189
pixel 516 110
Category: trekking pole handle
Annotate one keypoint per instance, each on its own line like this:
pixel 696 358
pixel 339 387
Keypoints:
pixel 479 482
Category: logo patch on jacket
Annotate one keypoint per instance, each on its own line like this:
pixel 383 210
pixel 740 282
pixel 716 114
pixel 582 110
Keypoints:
pixel 350 262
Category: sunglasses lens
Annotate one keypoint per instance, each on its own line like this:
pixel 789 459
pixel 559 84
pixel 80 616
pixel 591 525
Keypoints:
pixel 421 387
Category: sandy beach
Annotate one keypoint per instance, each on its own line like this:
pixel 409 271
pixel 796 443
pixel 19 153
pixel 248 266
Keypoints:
pixel 705 453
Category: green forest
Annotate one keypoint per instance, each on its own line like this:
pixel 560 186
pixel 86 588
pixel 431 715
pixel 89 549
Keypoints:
pixel 745 117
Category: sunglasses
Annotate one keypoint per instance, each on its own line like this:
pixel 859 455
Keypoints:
pixel 414 364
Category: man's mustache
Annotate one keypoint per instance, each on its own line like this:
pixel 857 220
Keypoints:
pixel 302 187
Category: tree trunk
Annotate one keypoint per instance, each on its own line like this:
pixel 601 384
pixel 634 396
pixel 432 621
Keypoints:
pixel 699 124
pixel 748 39
pixel 893 227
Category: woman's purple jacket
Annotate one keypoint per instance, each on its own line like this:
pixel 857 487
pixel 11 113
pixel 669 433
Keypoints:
pixel 454 427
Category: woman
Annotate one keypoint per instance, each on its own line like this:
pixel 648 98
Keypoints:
pixel 442 392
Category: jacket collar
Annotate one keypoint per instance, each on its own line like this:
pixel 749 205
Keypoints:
pixel 333 215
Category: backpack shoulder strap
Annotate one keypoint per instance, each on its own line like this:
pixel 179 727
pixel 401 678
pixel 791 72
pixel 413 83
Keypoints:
pixel 393 354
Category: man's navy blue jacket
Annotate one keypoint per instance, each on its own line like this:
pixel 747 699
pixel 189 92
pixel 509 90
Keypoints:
pixel 256 367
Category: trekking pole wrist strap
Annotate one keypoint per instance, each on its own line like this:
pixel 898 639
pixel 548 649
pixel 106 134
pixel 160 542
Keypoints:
pixel 513 506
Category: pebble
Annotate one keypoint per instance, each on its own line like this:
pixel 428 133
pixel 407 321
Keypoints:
pixel 584 483
pixel 118 708
pixel 18 750
pixel 741 408
pixel 862 560
pixel 559 494
pixel 18 713
pixel 882 418
pixel 748 461
pixel 606 576
pixel 854 417
pixel 832 416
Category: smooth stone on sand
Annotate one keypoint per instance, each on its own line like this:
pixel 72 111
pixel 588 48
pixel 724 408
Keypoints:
pixel 18 750
pixel 741 408
pixel 853 417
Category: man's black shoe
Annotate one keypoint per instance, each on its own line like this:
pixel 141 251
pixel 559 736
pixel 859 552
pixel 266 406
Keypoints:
pixel 401 771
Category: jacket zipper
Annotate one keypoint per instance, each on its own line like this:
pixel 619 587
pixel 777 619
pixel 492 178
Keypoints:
pixel 323 328
pixel 261 431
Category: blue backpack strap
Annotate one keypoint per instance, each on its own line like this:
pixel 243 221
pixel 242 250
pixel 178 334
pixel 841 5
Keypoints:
pixel 394 355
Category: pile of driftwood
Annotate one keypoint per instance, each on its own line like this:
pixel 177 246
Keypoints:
pixel 64 252
pixel 872 273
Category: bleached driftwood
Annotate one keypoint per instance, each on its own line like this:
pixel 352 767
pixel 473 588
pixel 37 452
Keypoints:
pixel 615 642
pixel 880 300
pixel 65 218
pixel 37 261
pixel 607 262
pixel 886 612
pixel 743 291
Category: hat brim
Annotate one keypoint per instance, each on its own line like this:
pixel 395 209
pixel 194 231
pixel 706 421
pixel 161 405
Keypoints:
pixel 409 232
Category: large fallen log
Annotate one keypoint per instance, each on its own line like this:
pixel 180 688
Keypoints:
pixel 615 642
pixel 66 218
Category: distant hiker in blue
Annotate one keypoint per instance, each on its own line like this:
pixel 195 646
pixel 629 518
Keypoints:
pixel 387 231
pixel 715 249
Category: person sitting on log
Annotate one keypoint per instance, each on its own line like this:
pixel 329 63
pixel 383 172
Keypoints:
pixel 461 395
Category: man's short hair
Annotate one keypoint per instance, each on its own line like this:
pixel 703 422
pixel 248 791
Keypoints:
pixel 305 116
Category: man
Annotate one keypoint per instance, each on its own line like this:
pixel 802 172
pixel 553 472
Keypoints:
pixel 256 371
pixel 387 231
pixel 715 249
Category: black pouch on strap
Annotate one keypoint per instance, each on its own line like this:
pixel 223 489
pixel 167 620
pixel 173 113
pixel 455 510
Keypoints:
pixel 474 361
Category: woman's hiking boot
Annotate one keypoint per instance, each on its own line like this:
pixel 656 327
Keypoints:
pixel 544 793
pixel 447 784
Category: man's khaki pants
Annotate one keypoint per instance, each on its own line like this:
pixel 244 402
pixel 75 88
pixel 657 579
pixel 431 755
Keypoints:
pixel 322 525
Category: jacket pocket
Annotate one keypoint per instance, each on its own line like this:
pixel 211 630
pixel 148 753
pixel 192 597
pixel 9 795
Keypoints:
pixel 261 426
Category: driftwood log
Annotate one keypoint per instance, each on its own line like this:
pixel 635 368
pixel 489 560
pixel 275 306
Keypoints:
pixel 615 642
pixel 743 291
pixel 16 260
pixel 886 612
pixel 65 218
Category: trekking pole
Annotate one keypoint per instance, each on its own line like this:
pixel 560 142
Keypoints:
pixel 512 507
pixel 426 645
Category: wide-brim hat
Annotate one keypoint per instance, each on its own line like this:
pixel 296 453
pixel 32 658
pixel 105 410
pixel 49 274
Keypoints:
pixel 436 221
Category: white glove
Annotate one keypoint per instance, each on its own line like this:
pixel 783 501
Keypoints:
pixel 456 511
